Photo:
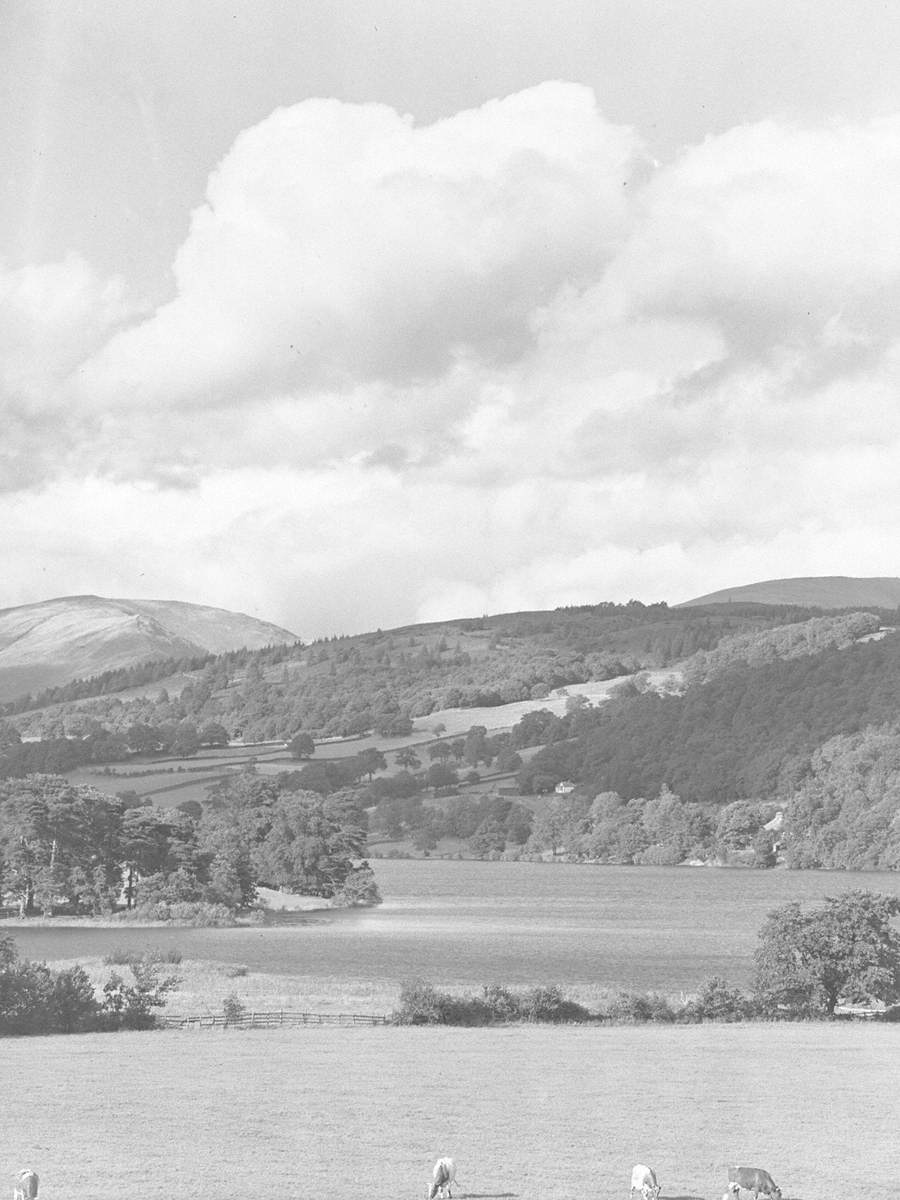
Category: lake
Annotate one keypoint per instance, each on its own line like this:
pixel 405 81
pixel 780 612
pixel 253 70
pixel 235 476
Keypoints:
pixel 450 922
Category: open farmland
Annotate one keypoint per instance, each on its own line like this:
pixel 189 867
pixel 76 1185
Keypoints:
pixel 531 1113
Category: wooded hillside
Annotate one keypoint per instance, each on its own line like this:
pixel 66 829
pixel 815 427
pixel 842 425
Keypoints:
pixel 381 680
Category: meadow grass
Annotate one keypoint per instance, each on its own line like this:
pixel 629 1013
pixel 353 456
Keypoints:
pixel 204 986
pixel 529 1113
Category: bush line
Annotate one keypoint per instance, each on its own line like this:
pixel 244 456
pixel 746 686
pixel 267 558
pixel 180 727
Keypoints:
pixel 423 1004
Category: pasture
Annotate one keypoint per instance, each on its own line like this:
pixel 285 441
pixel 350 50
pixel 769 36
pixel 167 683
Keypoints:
pixel 529 1113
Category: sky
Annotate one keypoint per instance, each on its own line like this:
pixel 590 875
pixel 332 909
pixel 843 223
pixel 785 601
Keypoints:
pixel 349 315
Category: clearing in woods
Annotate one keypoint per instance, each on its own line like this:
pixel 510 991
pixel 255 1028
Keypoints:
pixel 529 1113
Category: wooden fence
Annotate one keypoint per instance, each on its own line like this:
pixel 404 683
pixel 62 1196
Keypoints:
pixel 270 1020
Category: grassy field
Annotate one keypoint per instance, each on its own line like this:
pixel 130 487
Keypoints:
pixel 529 1113
pixel 503 716
pixel 204 986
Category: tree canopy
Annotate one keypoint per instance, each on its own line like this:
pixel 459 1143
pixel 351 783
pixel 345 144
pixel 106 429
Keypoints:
pixel 847 949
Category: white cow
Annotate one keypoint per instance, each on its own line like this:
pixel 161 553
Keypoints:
pixel 442 1176
pixel 643 1180
pixel 26 1185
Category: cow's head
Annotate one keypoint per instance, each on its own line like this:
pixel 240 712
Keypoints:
pixel 777 1193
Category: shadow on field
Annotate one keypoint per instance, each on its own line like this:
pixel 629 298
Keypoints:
pixel 681 1198
pixel 488 1196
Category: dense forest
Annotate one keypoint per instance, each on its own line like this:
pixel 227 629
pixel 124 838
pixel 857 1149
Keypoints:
pixel 748 732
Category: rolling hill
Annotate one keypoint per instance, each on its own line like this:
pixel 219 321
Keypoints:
pixel 45 644
pixel 380 681
pixel 825 591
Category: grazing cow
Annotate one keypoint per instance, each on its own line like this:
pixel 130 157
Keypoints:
pixel 643 1180
pixel 754 1180
pixel 26 1185
pixel 442 1176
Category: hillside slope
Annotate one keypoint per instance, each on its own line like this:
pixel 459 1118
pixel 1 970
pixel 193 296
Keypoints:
pixel 746 734
pixel 52 642
pixel 380 681
pixel 824 591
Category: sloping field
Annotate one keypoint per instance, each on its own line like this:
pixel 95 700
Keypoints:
pixel 529 1113
pixel 504 716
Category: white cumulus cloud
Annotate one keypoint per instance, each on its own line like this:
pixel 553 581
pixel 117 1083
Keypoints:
pixel 493 362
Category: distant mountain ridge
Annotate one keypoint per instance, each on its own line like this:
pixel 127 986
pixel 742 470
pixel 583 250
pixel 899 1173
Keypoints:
pixel 55 641
pixel 814 591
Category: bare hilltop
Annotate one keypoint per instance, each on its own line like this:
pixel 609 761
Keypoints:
pixel 52 642
pixel 820 591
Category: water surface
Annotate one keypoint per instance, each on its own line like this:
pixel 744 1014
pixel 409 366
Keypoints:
pixel 662 928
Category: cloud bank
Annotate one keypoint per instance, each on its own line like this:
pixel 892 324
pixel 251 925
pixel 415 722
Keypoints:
pixel 500 361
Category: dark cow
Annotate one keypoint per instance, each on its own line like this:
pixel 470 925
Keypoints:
pixel 26 1185
pixel 754 1180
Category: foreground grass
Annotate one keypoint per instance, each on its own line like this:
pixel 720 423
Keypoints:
pixel 529 1113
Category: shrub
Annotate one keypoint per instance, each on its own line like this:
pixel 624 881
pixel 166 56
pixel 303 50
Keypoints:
pixel 198 913
pixel 358 890
pixel 719 1002
pixel 501 1003
pixel 237 972
pixel 72 1005
pixel 26 990
pixel 120 957
pixel 233 1009
pixel 639 1007
pixel 549 1004
pixel 130 1006
pixel 422 1004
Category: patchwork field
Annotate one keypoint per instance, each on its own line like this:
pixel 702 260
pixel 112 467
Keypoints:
pixel 529 1113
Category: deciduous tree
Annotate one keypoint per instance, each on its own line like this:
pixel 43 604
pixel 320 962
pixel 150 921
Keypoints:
pixel 845 950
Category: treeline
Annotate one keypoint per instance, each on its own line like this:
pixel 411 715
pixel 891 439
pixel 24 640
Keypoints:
pixel 67 847
pixel 781 643
pixel 121 679
pixel 117 680
pixel 663 830
pixel 381 681
pixel 421 1003
pixel 96 745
